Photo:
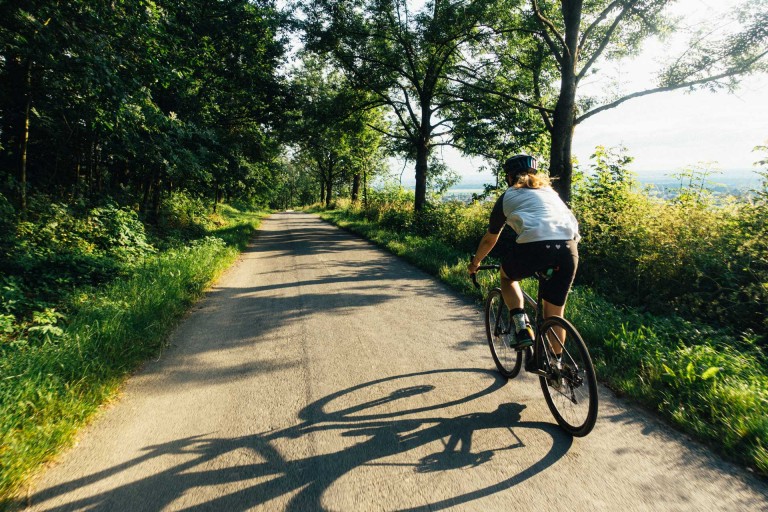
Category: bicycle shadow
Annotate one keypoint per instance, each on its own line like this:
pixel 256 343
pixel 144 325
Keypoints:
pixel 300 483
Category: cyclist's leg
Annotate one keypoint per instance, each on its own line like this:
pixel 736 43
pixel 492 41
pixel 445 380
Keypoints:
pixel 515 265
pixel 511 291
pixel 564 255
pixel 555 310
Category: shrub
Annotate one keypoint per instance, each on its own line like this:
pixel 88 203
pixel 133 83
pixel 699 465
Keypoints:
pixel 690 255
pixel 183 216
pixel 119 233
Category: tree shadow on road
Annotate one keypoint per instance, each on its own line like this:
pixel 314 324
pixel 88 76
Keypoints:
pixel 387 429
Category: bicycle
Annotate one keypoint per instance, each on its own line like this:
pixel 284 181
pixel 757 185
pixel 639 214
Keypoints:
pixel 568 381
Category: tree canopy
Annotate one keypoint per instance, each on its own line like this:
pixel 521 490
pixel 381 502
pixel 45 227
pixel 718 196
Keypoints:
pixel 406 59
pixel 542 50
pixel 134 100
pixel 138 98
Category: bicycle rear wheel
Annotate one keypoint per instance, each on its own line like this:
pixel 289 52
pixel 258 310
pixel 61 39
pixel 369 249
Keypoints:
pixel 570 387
pixel 508 360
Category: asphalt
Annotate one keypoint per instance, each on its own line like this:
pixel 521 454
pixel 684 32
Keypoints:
pixel 321 373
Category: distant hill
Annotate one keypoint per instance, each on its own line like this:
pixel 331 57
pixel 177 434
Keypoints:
pixel 733 181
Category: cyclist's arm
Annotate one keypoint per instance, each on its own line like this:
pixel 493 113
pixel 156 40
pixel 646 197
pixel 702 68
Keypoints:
pixel 483 248
pixel 495 225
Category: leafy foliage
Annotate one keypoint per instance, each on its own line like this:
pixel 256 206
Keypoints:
pixel 136 99
pixel 689 255
pixel 60 250
pixel 335 132
pixel 61 362
pixel 539 53
pixel 405 60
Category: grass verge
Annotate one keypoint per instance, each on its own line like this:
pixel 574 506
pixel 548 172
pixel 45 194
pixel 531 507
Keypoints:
pixel 709 383
pixel 49 389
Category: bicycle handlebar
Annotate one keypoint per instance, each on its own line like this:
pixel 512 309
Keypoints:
pixel 482 267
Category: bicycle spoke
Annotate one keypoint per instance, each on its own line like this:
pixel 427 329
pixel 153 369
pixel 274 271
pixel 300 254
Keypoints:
pixel 569 386
pixel 508 361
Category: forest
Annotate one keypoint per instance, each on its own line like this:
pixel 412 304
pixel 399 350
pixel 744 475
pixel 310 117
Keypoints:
pixel 142 136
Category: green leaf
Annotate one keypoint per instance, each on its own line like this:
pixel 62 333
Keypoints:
pixel 710 373
pixel 668 371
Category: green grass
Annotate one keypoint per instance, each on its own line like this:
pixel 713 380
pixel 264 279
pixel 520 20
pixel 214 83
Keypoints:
pixel 51 388
pixel 709 383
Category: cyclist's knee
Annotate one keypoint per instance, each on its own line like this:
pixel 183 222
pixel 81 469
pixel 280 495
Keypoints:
pixel 553 309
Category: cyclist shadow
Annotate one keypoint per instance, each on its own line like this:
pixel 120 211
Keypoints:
pixel 457 452
pixel 303 481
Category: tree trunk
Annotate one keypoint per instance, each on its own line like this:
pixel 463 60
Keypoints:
pixel 328 193
pixel 355 187
pixel 322 188
pixel 560 157
pixel 327 174
pixel 92 169
pixel 157 196
pixel 24 140
pixel 560 162
pixel 77 173
pixel 365 187
pixel 422 159
pixel 148 181
pixel 98 171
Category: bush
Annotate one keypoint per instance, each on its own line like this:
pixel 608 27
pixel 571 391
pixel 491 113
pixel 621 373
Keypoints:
pixel 184 217
pixel 690 255
pixel 454 223
pixel 66 353
pixel 119 233
pixel 61 247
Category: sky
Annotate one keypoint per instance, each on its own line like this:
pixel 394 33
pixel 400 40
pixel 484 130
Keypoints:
pixel 670 131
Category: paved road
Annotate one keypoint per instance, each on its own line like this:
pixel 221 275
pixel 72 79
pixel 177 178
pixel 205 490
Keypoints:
pixel 321 373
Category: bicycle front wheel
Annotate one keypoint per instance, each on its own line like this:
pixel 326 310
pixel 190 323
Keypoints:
pixel 570 385
pixel 497 328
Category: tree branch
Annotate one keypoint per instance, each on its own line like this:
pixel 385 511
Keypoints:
pixel 388 134
pixel 692 83
pixel 407 103
pixel 505 96
pixel 603 44
pixel 549 25
pixel 592 26
pixel 408 53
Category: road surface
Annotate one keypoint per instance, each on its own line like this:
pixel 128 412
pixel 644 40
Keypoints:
pixel 321 373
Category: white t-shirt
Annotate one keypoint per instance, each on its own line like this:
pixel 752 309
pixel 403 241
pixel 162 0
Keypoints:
pixel 536 214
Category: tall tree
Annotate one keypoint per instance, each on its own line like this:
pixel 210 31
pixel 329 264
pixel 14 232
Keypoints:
pixel 404 58
pixel 137 97
pixel 551 46
pixel 333 128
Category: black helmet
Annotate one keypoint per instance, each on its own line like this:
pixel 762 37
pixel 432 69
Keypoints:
pixel 520 164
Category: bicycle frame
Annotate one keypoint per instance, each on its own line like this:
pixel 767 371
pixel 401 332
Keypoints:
pixel 566 374
pixel 536 305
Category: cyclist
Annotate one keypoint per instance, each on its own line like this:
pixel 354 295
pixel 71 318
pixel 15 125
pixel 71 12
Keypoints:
pixel 547 237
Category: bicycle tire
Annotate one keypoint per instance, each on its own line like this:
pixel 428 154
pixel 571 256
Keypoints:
pixel 508 361
pixel 570 387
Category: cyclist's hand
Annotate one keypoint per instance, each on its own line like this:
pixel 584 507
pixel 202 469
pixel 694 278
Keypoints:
pixel 472 268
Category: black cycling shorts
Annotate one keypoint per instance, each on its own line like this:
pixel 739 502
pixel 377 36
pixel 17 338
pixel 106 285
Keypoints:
pixel 524 260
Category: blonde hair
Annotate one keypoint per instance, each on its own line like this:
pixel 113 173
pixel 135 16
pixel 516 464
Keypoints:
pixel 534 180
